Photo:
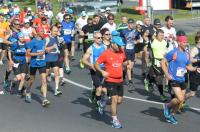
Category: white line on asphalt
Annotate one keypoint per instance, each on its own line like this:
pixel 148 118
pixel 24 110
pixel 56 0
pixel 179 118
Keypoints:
pixel 127 97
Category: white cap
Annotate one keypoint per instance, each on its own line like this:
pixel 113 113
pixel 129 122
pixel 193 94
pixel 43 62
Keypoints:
pixel 108 8
pixel 102 10
pixel 83 13
pixel 26 21
pixel 139 22
pixel 29 8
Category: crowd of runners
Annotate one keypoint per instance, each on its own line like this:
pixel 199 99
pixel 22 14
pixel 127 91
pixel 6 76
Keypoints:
pixel 31 41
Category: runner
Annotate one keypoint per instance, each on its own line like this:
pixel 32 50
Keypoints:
pixel 67 34
pixel 4 31
pixel 156 75
pixel 170 33
pixel 130 37
pixel 61 55
pixel 110 24
pixel 52 58
pixel 36 49
pixel 194 76
pixel 113 59
pixel 81 21
pixel 92 54
pixel 18 61
pixel 106 37
pixel 178 61
pixel 87 32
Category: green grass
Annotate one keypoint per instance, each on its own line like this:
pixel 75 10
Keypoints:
pixel 126 11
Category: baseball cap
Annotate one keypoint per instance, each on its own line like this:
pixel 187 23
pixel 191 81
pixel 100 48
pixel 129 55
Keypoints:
pixel 83 13
pixel 115 33
pixel 117 40
pixel 139 22
pixel 131 20
pixel 156 21
pixel 70 11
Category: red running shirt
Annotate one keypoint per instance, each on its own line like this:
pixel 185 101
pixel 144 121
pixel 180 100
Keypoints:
pixel 113 65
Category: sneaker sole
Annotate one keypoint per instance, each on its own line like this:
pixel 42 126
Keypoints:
pixel 117 127
pixel 58 94
pixel 46 104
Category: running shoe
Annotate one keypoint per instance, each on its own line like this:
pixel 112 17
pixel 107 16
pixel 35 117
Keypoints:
pixel 82 66
pixel 116 124
pixel 166 111
pixel 92 98
pixel 130 83
pixel 57 92
pixel 100 107
pixel 45 102
pixel 146 84
pixel 1 91
pixel 1 62
pixel 172 119
pixel 62 82
pixel 67 70
pixel 5 84
pixel 166 88
pixel 163 98
pixel 28 98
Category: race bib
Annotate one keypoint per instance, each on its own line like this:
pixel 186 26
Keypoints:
pixel 180 72
pixel 16 65
pixel 91 36
pixel 129 46
pixel 67 31
pixel 41 57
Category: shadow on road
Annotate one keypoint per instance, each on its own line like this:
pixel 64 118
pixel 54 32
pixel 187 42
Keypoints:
pixel 154 112
pixel 93 114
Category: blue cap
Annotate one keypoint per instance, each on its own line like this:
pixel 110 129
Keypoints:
pixel 115 33
pixel 118 40
pixel 70 11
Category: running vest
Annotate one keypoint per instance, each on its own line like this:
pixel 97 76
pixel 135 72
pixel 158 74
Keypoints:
pixel 19 53
pixel 96 52
pixel 197 57
pixel 27 32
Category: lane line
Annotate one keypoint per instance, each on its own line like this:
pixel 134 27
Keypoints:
pixel 127 97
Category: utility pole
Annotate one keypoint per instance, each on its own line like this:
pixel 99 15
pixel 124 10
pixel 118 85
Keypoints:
pixel 149 10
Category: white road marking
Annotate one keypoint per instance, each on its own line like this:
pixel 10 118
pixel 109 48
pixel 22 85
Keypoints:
pixel 127 97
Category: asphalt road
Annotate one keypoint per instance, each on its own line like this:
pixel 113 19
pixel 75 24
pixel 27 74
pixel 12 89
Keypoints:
pixel 72 112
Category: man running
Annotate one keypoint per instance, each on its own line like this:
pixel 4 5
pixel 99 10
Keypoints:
pixel 178 63
pixel 113 59
pixel 92 54
pixel 36 49
pixel 52 58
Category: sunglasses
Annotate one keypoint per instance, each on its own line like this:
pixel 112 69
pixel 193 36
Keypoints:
pixel 67 18
pixel 98 37
pixel 107 34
